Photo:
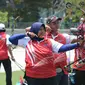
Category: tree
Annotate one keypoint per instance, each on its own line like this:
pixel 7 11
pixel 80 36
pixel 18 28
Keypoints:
pixel 30 11
pixel 77 8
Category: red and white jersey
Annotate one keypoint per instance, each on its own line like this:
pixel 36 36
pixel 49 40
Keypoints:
pixel 39 57
pixel 60 58
pixel 80 52
pixel 81 26
pixel 3 46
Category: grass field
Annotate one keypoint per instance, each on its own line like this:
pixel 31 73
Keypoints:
pixel 15 77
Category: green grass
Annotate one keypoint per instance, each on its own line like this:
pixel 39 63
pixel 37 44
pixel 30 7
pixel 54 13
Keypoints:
pixel 15 77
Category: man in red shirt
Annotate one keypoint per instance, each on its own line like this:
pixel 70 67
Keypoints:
pixel 5 46
pixel 54 23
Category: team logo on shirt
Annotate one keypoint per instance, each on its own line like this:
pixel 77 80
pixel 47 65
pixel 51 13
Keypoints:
pixel 1 38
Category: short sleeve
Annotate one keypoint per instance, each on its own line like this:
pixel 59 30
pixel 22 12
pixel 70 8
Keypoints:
pixel 55 45
pixel 7 40
pixel 69 38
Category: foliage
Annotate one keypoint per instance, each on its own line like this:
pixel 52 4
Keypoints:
pixel 28 10
pixel 3 17
pixel 38 3
pixel 76 8
pixel 75 11
pixel 75 19
pixel 67 21
pixel 17 1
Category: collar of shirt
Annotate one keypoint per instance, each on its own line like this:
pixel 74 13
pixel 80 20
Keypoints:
pixel 53 37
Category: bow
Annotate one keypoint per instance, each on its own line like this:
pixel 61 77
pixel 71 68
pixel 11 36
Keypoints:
pixel 79 32
pixel 81 49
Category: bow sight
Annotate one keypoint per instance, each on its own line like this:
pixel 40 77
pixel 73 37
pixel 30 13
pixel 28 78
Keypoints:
pixel 79 31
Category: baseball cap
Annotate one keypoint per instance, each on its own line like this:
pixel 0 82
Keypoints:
pixel 52 19
pixel 2 27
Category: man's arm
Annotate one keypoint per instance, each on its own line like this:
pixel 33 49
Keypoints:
pixel 58 47
pixel 9 45
pixel 10 52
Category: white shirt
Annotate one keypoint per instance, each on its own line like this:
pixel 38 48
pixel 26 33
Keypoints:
pixel 7 40
pixel 69 38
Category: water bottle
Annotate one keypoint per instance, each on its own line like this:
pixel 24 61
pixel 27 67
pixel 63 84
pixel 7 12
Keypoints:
pixel 71 76
pixel 18 83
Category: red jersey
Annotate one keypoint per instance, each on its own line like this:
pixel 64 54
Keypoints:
pixel 3 47
pixel 60 58
pixel 80 52
pixel 39 59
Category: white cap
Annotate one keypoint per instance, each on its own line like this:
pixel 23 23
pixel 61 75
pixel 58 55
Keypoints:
pixel 82 19
pixel 2 26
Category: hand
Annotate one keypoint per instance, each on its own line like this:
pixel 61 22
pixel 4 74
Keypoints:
pixel 13 59
pixel 81 42
pixel 27 29
pixel 31 34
